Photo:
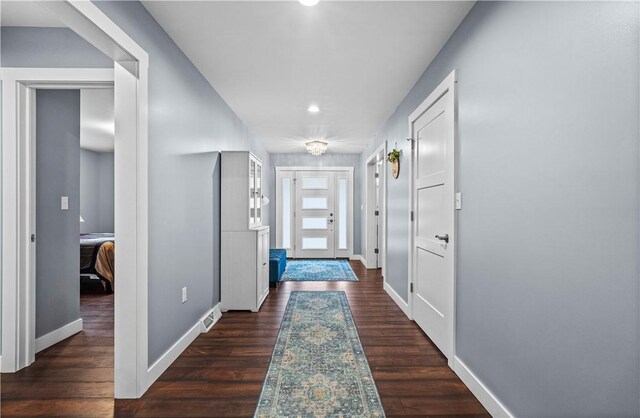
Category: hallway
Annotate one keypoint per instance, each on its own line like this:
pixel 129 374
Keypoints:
pixel 221 373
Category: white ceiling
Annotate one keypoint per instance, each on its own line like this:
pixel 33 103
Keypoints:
pixel 96 120
pixel 27 13
pixel 270 60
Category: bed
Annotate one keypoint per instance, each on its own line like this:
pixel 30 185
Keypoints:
pixel 97 256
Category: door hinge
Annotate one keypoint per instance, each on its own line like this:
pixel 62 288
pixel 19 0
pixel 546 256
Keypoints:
pixel 411 287
pixel 376 251
pixel 376 213
pixel 33 237
pixel 411 216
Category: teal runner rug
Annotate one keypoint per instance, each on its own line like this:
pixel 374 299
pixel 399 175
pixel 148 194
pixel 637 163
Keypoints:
pixel 318 270
pixel 318 367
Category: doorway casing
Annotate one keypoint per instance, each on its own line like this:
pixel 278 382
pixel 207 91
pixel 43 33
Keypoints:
pixel 379 155
pixel 130 78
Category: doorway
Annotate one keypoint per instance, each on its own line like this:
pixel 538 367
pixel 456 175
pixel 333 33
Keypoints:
pixel 129 75
pixel 375 210
pixel 314 211
pixel 432 129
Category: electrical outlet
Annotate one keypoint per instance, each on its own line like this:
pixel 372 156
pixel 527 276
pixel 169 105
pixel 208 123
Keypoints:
pixel 64 202
pixel 184 294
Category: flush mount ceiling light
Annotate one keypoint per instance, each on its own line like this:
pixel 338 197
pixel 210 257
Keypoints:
pixel 316 148
pixel 309 2
pixel 313 109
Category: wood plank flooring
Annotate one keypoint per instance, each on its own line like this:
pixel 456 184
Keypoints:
pixel 221 373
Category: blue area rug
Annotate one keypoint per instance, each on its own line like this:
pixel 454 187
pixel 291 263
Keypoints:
pixel 318 270
pixel 318 367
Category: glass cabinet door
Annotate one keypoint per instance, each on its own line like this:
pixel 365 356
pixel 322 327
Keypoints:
pixel 258 205
pixel 252 192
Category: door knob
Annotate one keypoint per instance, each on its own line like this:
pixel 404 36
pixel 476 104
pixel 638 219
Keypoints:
pixel 444 237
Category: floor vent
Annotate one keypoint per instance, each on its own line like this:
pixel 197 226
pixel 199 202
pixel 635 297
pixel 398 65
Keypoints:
pixel 210 319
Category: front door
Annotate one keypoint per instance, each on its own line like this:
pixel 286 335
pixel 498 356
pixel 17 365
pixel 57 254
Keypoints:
pixel 315 214
pixel 433 200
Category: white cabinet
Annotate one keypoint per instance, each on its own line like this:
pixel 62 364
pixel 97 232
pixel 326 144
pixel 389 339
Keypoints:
pixel 245 269
pixel 244 241
pixel 241 191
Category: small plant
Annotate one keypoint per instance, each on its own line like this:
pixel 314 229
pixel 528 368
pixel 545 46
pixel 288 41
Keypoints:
pixel 393 156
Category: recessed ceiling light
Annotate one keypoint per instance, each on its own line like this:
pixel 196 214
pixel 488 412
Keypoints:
pixel 309 2
pixel 313 109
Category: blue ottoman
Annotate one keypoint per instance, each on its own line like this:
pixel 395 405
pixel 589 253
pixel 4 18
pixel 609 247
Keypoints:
pixel 277 264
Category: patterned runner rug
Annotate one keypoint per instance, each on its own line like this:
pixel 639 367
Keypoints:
pixel 318 367
pixel 318 270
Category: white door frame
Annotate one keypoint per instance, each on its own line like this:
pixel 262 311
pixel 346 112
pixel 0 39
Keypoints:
pixel 130 78
pixel 379 154
pixel 279 176
pixel 447 85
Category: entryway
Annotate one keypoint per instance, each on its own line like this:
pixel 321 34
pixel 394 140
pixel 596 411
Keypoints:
pixel 314 211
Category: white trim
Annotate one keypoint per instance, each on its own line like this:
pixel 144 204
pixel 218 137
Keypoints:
pixel 397 299
pixel 360 258
pixel 480 391
pixel 131 377
pixel 58 335
pixel 163 363
pixel 448 84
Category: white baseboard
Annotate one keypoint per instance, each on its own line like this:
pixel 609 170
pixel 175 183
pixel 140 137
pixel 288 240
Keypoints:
pixel 163 363
pixel 58 335
pixel 358 257
pixel 397 299
pixel 484 395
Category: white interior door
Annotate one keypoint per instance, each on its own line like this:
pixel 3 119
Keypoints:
pixel 315 214
pixel 433 204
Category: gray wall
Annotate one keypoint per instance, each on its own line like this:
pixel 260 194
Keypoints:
pixel 308 160
pixel 48 48
pixel 57 174
pixel 188 124
pixel 96 191
pixel 547 308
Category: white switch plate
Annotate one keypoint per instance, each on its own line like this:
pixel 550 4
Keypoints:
pixel 64 202
pixel 458 201
pixel 184 294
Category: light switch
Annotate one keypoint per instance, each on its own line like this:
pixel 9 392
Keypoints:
pixel 64 202
pixel 458 201
pixel 184 294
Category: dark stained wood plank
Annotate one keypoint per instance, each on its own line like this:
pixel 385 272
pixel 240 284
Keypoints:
pixel 221 373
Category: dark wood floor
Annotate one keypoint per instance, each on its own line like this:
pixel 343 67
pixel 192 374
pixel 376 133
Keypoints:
pixel 221 373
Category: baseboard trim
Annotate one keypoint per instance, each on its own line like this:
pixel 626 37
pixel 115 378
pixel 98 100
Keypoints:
pixel 358 257
pixel 163 363
pixel 484 395
pixel 397 299
pixel 58 335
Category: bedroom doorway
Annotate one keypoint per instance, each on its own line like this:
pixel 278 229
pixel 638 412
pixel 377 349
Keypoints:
pixel 130 77
pixel 72 190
